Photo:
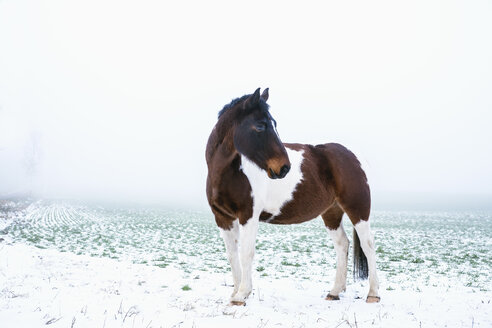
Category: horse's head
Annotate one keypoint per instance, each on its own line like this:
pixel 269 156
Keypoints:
pixel 256 137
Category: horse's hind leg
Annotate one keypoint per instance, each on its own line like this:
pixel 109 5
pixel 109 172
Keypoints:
pixel 366 238
pixel 359 215
pixel 333 221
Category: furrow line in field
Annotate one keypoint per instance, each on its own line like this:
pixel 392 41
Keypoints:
pixel 65 214
pixel 53 218
pixel 59 218
pixel 68 214
pixel 38 218
pixel 49 217
pixel 77 217
pixel 56 220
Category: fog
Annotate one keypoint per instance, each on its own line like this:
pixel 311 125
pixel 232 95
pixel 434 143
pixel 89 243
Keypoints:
pixel 114 100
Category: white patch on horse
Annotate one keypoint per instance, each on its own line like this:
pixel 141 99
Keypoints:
pixel 231 240
pixel 270 195
pixel 366 238
pixel 247 241
pixel 341 243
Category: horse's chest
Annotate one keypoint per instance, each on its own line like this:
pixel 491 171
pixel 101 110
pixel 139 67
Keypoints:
pixel 271 195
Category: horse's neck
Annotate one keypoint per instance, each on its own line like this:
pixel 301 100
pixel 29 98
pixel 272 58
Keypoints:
pixel 220 152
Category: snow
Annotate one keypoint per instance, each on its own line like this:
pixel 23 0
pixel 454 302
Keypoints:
pixel 49 288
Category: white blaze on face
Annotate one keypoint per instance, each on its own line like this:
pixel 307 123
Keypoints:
pixel 270 195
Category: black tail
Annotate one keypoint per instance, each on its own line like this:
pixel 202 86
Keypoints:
pixel 361 270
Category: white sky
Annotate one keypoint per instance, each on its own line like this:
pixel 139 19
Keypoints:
pixel 120 96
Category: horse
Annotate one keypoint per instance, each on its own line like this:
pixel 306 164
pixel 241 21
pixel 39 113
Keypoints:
pixel 253 177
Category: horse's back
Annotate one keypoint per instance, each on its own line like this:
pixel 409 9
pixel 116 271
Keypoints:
pixel 344 172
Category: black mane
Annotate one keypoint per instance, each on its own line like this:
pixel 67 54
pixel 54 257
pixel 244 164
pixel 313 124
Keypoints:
pixel 262 104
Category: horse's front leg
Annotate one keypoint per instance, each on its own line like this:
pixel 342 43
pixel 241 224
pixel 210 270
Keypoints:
pixel 247 240
pixel 231 239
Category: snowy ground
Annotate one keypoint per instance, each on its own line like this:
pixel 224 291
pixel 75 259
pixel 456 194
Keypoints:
pixel 48 288
pixel 51 286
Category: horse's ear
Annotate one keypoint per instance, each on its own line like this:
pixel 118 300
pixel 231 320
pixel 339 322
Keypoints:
pixel 252 100
pixel 264 95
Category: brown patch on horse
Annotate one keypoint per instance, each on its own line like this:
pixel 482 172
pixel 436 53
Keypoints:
pixel 265 216
pixel 228 201
pixel 333 216
pixel 349 181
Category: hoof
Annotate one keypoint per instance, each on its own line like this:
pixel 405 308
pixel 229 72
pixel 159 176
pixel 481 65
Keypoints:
pixel 330 297
pixel 373 299
pixel 238 303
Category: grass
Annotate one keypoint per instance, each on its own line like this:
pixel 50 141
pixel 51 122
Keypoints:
pixel 287 263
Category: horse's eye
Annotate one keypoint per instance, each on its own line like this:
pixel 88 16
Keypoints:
pixel 260 127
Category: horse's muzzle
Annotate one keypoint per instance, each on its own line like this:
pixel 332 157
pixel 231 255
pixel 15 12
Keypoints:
pixel 283 172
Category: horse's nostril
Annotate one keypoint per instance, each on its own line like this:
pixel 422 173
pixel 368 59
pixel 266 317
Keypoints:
pixel 284 170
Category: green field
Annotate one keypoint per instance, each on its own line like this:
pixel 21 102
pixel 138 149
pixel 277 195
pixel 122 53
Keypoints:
pixel 413 248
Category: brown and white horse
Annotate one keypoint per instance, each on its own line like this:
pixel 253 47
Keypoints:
pixel 253 177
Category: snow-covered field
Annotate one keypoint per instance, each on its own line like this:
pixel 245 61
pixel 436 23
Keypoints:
pixel 66 265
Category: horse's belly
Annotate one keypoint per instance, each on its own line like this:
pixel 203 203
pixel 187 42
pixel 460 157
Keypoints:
pixel 296 211
pixel 285 218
